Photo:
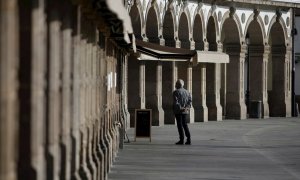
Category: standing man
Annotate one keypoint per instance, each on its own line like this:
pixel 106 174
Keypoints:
pixel 181 106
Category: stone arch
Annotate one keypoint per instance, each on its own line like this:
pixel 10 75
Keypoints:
pixel 199 12
pixel 211 34
pixel 136 20
pixel 152 25
pixel 169 28
pixel 198 32
pixel 277 69
pixel 212 14
pixel 183 31
pixel 282 23
pixel 231 74
pixel 235 19
pixel 185 11
pixel 260 23
pixel 155 6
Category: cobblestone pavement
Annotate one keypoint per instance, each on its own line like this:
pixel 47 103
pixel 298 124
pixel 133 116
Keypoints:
pixel 252 149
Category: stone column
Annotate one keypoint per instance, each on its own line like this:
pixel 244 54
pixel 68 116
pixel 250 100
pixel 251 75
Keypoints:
pixel 213 88
pixel 83 171
pixel 199 93
pixel 65 140
pixel 235 102
pixel 258 74
pixel 75 118
pixel 213 92
pixel 153 91
pixel 125 91
pixel 103 95
pixel 288 81
pixel 90 119
pixel 32 90
pixel 38 89
pixel 98 150
pixel 54 96
pixel 9 53
pixel 189 86
pixel 142 82
pixel 135 93
pixel 95 106
pixel 168 79
pixel 265 81
pixel 107 119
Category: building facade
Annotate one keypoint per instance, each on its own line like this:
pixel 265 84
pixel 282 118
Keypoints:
pixel 257 37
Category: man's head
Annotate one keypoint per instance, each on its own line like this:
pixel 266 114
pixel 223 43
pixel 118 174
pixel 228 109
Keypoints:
pixel 179 83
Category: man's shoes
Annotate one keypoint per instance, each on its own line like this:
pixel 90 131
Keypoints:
pixel 188 142
pixel 179 143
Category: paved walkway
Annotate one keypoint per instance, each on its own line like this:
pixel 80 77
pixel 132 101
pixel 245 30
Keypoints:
pixel 253 149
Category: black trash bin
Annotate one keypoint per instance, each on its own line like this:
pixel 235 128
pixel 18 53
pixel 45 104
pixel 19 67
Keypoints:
pixel 255 110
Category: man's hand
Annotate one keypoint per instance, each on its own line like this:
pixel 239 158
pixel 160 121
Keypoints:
pixel 184 109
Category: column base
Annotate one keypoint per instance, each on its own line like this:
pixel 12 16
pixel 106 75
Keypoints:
pixel 265 107
pixel 157 117
pixel 191 116
pixel 126 115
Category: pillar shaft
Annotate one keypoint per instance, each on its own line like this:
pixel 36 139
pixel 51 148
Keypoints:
pixel 125 91
pixel 153 91
pixel 8 88
pixel 199 93
pixel 142 84
pixel 235 101
pixel 168 69
pixel 66 39
pixel 189 84
pixel 213 92
pixel 32 91
pixel 75 119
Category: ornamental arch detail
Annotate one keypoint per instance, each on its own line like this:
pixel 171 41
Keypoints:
pixel 236 19
pixel 136 20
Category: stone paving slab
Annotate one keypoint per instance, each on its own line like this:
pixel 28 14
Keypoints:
pixel 253 149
